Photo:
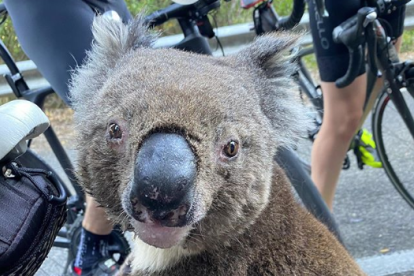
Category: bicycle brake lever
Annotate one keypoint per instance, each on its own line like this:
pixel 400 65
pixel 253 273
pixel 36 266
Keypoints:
pixel 369 18
pixel 351 34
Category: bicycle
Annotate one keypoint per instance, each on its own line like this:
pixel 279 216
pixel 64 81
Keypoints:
pixel 196 27
pixel 363 28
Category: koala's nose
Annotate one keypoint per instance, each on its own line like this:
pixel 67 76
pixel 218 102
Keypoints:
pixel 164 176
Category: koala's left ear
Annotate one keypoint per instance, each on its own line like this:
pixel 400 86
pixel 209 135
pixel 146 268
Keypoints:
pixel 268 59
pixel 112 40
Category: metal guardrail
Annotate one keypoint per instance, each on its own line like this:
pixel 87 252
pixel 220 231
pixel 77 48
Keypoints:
pixel 233 38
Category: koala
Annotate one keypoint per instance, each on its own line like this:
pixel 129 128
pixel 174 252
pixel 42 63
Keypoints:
pixel 179 148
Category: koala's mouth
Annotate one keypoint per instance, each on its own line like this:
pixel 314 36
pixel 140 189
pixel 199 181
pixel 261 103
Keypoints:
pixel 160 236
pixel 163 229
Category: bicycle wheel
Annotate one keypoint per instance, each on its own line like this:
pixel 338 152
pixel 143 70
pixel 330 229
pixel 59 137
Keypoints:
pixel 395 144
pixel 306 189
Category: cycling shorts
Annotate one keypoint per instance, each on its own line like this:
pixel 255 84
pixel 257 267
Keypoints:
pixel 333 58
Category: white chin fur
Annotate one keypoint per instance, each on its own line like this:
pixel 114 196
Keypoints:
pixel 151 259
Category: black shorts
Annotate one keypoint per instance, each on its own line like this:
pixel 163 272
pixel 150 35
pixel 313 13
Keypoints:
pixel 333 58
pixel 56 34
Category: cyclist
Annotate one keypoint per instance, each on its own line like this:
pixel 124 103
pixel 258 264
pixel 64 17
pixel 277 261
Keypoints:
pixel 343 107
pixel 55 34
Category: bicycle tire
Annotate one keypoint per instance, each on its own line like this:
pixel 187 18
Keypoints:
pixel 391 160
pixel 306 189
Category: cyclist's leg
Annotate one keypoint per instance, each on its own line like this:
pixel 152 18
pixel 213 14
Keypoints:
pixel 95 218
pixel 342 107
pixel 342 113
pixel 55 34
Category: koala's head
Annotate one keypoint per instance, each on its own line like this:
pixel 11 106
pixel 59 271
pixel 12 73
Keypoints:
pixel 177 146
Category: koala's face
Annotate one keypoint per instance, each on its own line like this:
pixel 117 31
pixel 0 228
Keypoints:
pixel 179 147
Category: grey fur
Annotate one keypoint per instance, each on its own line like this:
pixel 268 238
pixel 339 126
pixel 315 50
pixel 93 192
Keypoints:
pixel 277 92
pixel 112 40
pixel 247 221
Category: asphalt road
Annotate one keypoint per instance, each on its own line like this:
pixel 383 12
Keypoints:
pixel 376 224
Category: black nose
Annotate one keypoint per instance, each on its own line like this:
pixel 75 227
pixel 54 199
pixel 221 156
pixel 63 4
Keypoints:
pixel 164 177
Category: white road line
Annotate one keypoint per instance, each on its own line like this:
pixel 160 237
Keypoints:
pixel 382 265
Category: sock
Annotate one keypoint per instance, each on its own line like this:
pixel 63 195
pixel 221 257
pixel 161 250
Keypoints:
pixel 92 248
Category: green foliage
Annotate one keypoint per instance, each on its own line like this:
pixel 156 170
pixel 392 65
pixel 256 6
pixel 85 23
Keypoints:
pixel 228 14
pixel 408 41
pixel 310 62
pixel 9 38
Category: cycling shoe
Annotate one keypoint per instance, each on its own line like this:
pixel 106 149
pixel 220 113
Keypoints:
pixel 367 149
pixel 103 268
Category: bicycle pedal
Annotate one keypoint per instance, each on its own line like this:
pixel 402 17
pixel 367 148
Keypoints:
pixel 358 156
pixel 347 163
pixel 360 164
pixel 313 133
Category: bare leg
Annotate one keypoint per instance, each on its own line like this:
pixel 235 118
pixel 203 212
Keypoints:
pixel 95 219
pixel 342 114
pixel 343 117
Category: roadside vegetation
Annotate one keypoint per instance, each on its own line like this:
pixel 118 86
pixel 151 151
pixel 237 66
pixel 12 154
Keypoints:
pixel 229 13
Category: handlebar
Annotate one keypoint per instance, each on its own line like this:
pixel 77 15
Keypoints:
pixel 173 11
pixel 288 22
pixel 195 11
pixel 266 19
pixel 351 34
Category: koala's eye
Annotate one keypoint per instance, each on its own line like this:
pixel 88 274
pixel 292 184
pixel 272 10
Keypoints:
pixel 231 149
pixel 115 131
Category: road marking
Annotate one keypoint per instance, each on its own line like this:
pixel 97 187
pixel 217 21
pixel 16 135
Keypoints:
pixel 382 265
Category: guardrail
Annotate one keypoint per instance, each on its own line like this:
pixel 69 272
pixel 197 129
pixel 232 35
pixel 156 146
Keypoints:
pixel 233 38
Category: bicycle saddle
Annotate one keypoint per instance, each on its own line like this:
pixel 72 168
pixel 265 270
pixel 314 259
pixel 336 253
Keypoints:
pixel 20 120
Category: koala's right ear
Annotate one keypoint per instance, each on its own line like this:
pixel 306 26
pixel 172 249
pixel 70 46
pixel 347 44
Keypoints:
pixel 269 54
pixel 268 58
pixel 112 40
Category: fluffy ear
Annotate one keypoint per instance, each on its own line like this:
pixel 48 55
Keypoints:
pixel 269 60
pixel 270 54
pixel 112 40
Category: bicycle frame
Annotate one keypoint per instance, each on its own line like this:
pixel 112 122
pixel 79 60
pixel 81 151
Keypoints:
pixel 390 68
